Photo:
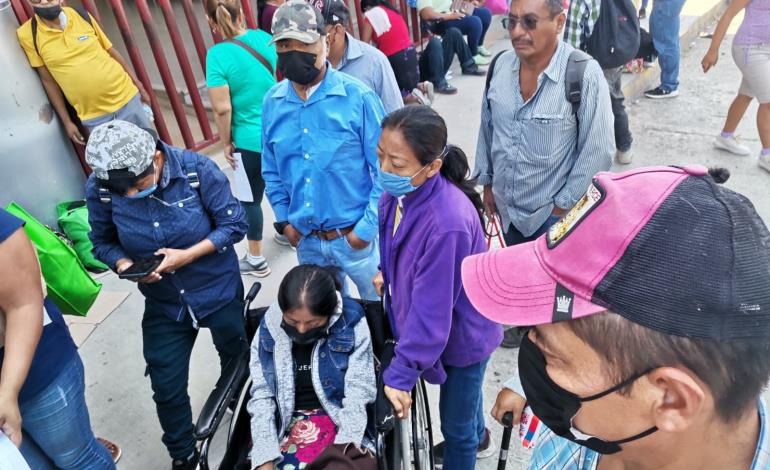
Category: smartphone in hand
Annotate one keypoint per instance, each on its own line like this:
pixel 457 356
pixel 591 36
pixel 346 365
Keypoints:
pixel 142 268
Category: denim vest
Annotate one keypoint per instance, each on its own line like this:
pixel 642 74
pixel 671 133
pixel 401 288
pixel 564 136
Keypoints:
pixel 331 352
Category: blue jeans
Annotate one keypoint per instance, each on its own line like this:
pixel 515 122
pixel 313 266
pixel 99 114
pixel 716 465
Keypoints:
pixel 57 429
pixel 664 28
pixel 512 236
pixel 359 265
pixel 461 406
pixel 474 26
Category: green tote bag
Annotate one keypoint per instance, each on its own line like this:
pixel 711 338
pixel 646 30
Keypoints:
pixel 73 220
pixel 70 287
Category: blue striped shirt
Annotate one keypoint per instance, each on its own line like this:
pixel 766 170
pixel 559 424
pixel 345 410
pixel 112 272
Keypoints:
pixel 533 153
pixel 556 453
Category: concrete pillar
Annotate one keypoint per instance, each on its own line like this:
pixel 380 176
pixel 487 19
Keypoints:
pixel 38 166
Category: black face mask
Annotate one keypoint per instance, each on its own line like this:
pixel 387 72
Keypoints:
pixel 48 13
pixel 303 339
pixel 556 407
pixel 298 66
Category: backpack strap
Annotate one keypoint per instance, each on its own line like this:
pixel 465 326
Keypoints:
pixel 576 67
pixel 490 73
pixel 190 168
pixel 33 24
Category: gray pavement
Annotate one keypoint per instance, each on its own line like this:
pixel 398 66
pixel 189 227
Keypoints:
pixel 673 132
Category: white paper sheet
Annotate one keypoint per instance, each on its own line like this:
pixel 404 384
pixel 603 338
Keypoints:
pixel 10 457
pixel 240 185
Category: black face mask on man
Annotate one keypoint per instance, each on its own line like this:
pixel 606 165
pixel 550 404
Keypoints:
pixel 303 339
pixel 298 66
pixel 48 13
pixel 557 407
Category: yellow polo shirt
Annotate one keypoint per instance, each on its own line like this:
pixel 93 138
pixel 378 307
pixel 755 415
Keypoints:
pixel 93 82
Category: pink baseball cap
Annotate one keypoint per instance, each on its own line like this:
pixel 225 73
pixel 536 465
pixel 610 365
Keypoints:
pixel 665 247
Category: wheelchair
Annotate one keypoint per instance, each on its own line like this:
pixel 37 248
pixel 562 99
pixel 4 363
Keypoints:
pixel 223 427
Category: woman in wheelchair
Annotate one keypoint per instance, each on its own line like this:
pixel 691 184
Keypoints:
pixel 431 218
pixel 312 370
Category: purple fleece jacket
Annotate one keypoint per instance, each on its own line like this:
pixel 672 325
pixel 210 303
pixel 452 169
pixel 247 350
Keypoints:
pixel 433 320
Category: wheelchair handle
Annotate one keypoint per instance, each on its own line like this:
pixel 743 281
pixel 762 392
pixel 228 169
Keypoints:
pixel 255 288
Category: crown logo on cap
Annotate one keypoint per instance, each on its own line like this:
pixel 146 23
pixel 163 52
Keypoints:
pixel 562 304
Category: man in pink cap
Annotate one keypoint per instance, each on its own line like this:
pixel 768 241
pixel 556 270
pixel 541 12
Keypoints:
pixel 648 316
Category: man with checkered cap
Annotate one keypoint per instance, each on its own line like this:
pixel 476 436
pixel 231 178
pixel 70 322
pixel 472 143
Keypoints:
pixel 319 160
pixel 648 316
pixel 145 199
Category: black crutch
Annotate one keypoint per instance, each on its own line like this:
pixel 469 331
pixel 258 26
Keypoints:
pixel 507 429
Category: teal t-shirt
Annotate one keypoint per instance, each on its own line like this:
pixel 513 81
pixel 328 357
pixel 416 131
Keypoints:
pixel 230 64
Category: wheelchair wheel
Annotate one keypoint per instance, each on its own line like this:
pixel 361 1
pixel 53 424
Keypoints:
pixel 422 435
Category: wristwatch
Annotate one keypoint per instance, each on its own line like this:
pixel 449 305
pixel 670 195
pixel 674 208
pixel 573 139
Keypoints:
pixel 280 226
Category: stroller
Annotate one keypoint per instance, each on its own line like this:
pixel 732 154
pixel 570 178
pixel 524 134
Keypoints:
pixel 223 426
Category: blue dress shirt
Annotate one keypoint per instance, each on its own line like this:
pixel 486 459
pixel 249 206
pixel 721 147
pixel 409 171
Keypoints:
pixel 319 157
pixel 175 216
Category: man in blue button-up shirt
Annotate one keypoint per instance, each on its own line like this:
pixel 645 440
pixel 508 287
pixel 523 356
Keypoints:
pixel 147 198
pixel 319 161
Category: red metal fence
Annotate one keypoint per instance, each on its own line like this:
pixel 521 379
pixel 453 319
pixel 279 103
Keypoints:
pixel 194 135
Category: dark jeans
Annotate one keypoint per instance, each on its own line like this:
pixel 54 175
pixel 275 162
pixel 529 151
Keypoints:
pixel 474 26
pixel 406 69
pixel 439 53
pixel 461 406
pixel 623 138
pixel 252 163
pixel 167 348
pixel 512 236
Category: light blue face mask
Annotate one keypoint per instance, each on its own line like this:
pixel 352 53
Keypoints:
pixel 398 186
pixel 147 191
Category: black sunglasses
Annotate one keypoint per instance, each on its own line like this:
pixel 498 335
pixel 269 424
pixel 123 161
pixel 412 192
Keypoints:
pixel 528 23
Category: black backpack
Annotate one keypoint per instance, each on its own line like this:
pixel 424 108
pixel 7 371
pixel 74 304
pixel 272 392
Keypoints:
pixel 573 83
pixel 614 39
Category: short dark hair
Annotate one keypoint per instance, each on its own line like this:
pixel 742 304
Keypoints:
pixel 310 286
pixel 554 7
pixel 735 371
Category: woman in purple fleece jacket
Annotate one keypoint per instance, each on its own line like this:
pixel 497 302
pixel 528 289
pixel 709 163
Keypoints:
pixel 430 220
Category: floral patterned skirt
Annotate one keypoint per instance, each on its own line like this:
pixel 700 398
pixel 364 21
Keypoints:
pixel 310 432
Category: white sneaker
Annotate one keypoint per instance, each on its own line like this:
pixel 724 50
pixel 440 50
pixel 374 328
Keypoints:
pixel 731 144
pixel 624 158
pixel 764 162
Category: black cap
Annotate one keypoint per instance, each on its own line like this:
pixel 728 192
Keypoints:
pixel 333 11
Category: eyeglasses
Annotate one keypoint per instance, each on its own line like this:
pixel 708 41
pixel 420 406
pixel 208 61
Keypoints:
pixel 528 23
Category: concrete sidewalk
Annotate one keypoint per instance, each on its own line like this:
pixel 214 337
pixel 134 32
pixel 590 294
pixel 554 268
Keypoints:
pixel 673 132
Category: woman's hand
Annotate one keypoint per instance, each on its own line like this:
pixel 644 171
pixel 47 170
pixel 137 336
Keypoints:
pixel 452 15
pixel 378 283
pixel 401 401
pixel 709 60
pixel 229 149
pixel 174 259
pixel 10 418
pixel 124 263
pixel 508 401
pixel 266 466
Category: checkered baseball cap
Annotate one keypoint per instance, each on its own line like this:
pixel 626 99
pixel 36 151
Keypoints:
pixel 333 11
pixel 297 19
pixel 120 145
pixel 666 248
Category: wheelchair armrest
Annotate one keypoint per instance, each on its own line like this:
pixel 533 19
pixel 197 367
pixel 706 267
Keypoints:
pixel 230 384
